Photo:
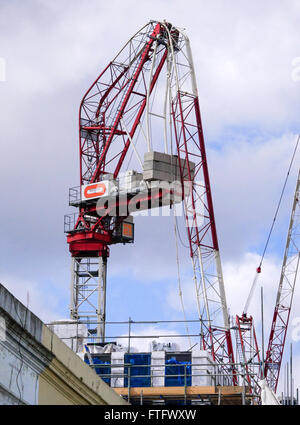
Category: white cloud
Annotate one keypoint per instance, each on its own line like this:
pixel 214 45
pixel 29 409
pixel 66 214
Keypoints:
pixel 238 277
pixel 282 387
pixel 247 178
pixel 34 296
pixel 242 52
pixel 296 373
pixel 155 333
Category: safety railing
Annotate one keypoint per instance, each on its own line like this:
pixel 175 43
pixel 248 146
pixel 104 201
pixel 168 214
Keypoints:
pixel 74 195
pixel 70 221
pixel 129 380
pixel 214 372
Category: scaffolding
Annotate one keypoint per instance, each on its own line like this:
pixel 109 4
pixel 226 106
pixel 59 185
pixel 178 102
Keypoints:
pixel 165 373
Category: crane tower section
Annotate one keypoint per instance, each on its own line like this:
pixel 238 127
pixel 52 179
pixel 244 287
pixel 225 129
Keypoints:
pixel 285 295
pixel 143 112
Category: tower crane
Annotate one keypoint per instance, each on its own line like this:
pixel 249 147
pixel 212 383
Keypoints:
pixel 143 109
pixel 285 295
pixel 247 345
pixel 145 105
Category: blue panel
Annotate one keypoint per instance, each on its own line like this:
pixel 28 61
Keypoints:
pixel 100 370
pixel 177 368
pixel 136 370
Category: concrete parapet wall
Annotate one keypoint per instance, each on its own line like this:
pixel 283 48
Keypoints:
pixel 38 368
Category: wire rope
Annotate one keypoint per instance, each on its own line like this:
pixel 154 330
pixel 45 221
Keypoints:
pixel 258 270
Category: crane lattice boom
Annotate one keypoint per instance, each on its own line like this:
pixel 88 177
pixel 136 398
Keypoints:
pixel 284 295
pixel 117 115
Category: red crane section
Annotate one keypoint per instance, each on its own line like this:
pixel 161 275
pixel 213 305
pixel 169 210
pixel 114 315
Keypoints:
pixel 285 295
pixel 109 100
pixel 113 113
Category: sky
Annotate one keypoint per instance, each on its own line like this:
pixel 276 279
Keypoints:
pixel 247 61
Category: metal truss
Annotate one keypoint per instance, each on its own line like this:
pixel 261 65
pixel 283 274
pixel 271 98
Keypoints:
pixel 112 108
pixel 198 205
pixel 129 107
pixel 88 292
pixel 284 295
pixel 248 352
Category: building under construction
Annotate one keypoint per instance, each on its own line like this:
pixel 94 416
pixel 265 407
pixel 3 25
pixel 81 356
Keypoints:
pixel 144 106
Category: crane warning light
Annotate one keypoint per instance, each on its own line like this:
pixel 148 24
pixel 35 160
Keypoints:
pixel 127 230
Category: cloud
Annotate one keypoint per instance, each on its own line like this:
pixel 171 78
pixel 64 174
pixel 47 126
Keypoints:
pixel 32 295
pixel 282 387
pixel 243 52
pixel 247 179
pixel 238 278
pixel 143 338
pixel 296 374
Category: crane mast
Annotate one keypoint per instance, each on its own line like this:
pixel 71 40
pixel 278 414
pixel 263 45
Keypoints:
pixel 109 115
pixel 115 113
pixel 285 295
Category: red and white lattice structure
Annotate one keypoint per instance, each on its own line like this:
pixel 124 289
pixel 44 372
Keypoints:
pixel 145 101
pixel 247 347
pixel 285 295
